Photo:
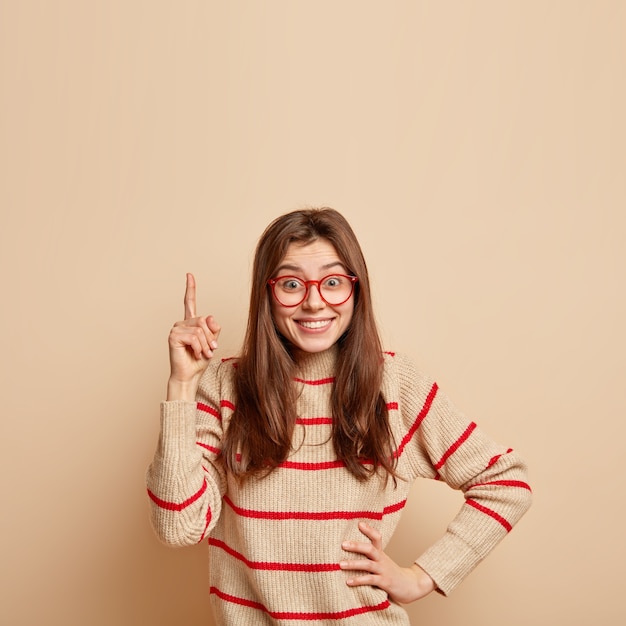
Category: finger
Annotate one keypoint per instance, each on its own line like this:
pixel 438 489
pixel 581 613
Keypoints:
pixel 195 344
pixel 190 297
pixel 371 580
pixel 196 326
pixel 372 534
pixel 361 565
pixel 200 335
pixel 211 331
pixel 215 328
pixel 193 338
pixel 366 549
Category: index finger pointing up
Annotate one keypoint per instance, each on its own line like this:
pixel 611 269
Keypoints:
pixel 190 297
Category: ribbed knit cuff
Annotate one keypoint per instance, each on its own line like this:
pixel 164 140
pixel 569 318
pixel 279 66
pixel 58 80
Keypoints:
pixel 178 427
pixel 448 562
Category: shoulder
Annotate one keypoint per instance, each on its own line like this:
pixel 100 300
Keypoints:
pixel 405 386
pixel 402 369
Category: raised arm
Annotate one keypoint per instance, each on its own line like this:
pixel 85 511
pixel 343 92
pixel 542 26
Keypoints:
pixel 185 482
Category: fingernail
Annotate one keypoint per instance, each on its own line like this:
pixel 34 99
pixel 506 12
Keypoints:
pixel 213 345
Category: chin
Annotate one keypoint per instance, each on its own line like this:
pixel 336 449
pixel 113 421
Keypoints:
pixel 312 347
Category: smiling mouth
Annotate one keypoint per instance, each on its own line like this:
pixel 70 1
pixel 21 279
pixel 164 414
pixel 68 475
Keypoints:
pixel 315 325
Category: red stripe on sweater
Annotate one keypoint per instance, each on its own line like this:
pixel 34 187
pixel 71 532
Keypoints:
pixel 174 506
pixel 491 513
pixel 206 446
pixel 498 456
pixel 321 381
pixel 227 404
pixel 418 420
pixel 324 465
pixel 504 483
pixel 455 446
pixel 305 421
pixel 205 408
pixel 307 617
pixel 314 515
pixel 273 565
pixel 206 526
pixel 311 467
pixel 314 421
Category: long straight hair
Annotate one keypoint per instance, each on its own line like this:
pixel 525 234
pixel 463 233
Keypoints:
pixel 259 435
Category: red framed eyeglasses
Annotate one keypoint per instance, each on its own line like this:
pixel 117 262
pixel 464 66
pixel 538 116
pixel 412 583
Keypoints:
pixel 334 289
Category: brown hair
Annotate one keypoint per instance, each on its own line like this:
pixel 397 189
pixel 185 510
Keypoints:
pixel 260 432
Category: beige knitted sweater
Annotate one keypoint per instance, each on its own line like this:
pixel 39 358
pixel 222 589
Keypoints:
pixel 275 543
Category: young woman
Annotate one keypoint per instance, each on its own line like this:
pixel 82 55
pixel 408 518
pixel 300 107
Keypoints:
pixel 295 459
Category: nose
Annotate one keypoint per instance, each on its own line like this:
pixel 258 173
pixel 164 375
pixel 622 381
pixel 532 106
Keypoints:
pixel 313 299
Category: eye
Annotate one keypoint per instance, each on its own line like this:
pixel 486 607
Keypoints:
pixel 290 284
pixel 332 282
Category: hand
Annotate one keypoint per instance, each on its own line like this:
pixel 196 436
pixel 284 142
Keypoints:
pixel 402 584
pixel 191 345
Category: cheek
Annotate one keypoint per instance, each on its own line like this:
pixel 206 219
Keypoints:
pixel 279 316
pixel 348 313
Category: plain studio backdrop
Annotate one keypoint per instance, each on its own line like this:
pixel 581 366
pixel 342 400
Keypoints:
pixel 477 148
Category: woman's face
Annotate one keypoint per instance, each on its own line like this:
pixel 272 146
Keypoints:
pixel 313 325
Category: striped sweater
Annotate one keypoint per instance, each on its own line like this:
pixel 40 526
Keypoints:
pixel 275 542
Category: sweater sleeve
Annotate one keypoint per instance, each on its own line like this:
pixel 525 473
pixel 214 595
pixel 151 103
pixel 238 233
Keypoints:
pixel 493 479
pixel 186 480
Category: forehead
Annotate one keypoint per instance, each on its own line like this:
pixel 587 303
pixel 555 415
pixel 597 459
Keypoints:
pixel 317 254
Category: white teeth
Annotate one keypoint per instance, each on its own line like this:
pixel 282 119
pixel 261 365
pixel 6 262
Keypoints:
pixel 319 324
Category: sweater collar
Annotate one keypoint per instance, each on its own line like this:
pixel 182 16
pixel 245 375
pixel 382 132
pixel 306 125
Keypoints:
pixel 315 365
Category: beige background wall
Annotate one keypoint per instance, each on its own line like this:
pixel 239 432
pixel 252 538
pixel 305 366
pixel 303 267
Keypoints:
pixel 478 148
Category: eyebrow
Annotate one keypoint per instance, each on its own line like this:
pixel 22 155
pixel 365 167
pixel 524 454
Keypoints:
pixel 297 268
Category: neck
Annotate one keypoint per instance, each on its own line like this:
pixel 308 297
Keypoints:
pixel 322 362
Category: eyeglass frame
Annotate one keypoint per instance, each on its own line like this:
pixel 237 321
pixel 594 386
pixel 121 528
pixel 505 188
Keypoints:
pixel 307 284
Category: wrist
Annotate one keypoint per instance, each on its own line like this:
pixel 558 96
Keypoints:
pixel 425 583
pixel 184 391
